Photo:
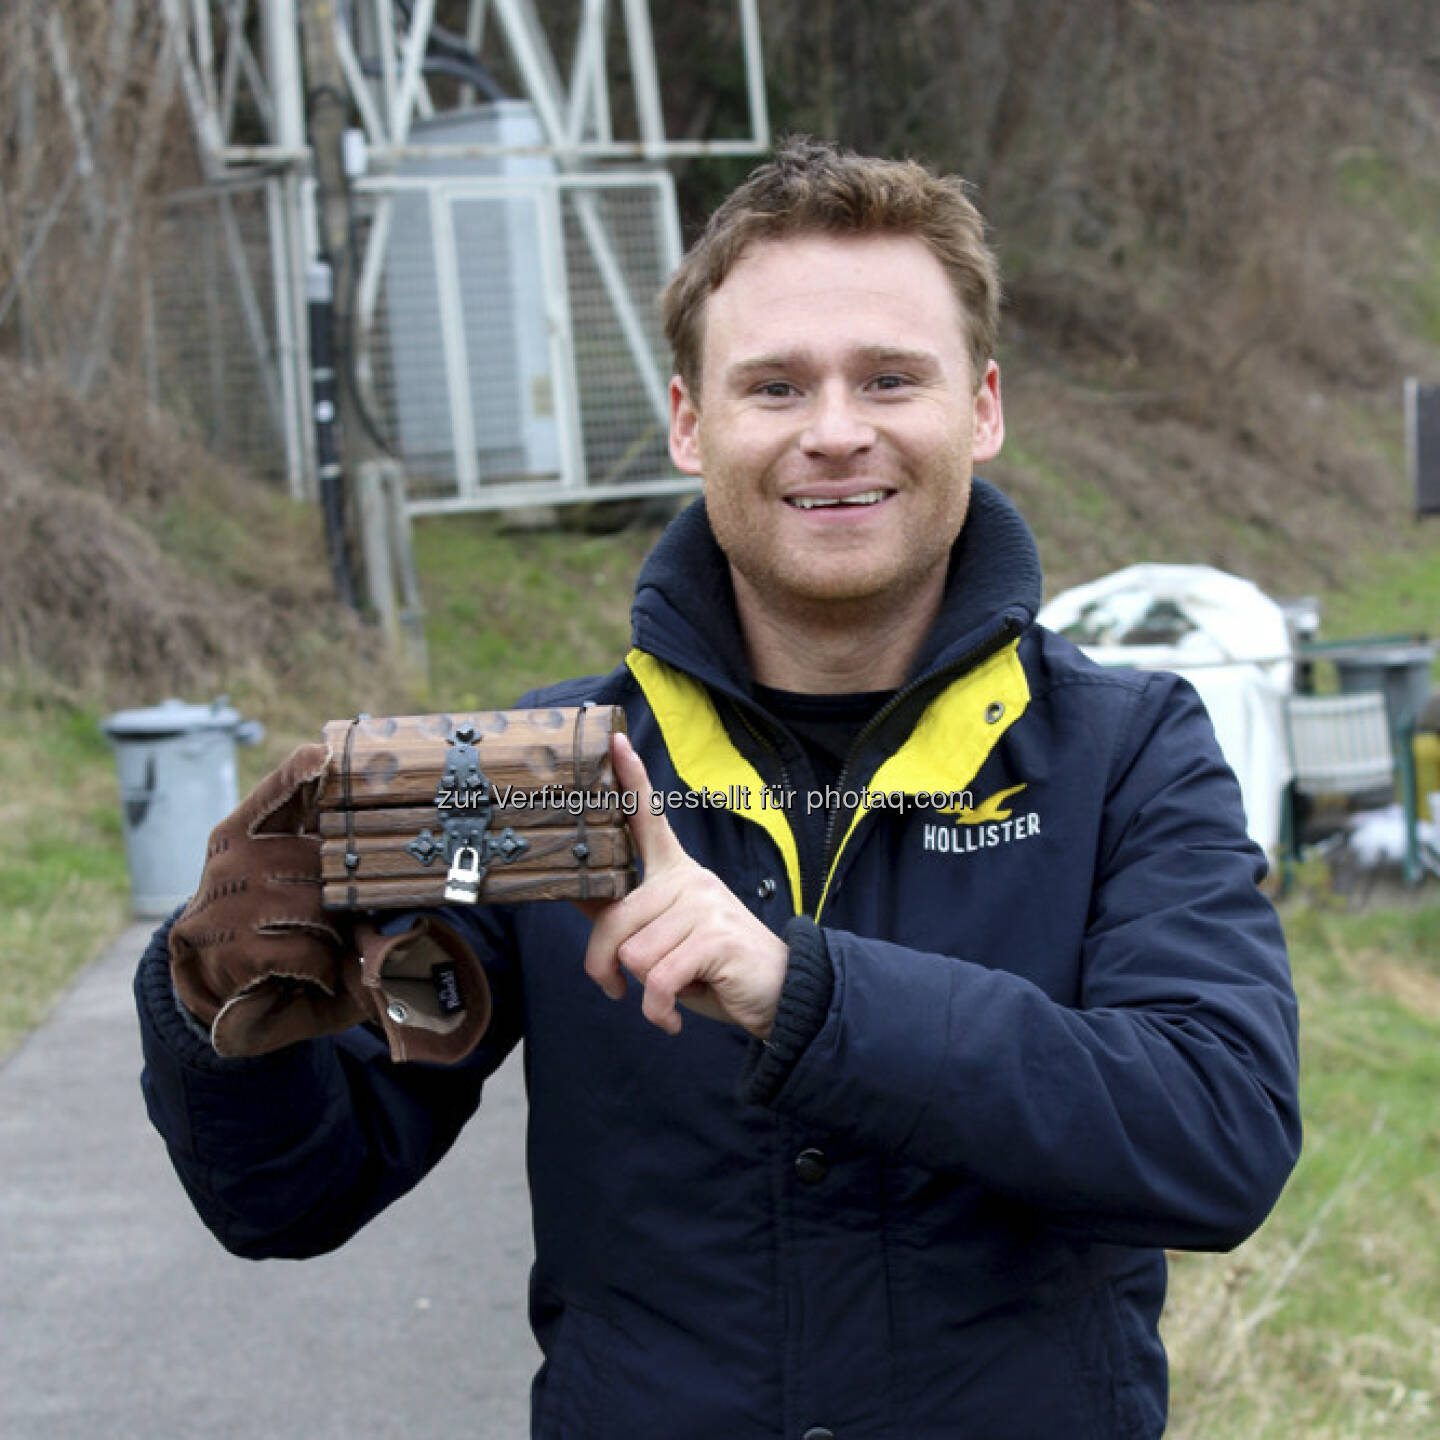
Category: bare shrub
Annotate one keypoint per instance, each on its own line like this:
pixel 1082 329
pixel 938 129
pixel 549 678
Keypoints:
pixel 133 565
pixel 89 598
pixel 90 130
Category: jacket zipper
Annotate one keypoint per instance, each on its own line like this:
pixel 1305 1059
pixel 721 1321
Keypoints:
pixel 811 880
pixel 1008 629
pixel 765 743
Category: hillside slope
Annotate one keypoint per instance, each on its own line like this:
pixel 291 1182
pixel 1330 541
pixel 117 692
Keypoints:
pixel 1218 230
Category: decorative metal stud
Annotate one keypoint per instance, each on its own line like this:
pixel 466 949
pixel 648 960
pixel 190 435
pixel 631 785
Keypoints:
pixel 425 847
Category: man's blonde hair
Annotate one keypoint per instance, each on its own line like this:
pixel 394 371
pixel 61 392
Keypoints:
pixel 812 187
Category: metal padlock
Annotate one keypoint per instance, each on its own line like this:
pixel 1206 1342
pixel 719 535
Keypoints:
pixel 462 883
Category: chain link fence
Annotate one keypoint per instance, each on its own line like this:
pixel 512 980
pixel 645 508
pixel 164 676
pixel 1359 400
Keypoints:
pixel 625 430
pixel 181 295
pixel 211 321
pixel 515 349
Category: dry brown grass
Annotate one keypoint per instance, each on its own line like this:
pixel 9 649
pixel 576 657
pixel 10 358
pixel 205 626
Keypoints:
pixel 134 565
pixel 89 598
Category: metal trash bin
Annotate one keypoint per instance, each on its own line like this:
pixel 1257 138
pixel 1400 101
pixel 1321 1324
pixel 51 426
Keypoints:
pixel 176 765
pixel 1400 669
pixel 1401 672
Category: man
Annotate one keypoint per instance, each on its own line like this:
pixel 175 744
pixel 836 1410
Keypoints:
pixel 910 1069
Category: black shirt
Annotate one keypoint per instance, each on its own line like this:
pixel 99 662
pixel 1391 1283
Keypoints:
pixel 825 725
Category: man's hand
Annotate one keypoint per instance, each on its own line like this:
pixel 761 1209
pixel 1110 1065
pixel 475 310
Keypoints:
pixel 254 957
pixel 682 933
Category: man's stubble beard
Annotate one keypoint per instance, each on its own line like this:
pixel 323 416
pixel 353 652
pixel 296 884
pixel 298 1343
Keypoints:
pixel 833 595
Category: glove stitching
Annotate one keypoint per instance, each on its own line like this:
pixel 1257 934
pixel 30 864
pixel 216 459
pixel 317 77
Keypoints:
pixel 291 978
pixel 281 928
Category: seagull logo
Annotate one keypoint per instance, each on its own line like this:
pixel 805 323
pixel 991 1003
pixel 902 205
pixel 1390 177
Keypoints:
pixel 994 808
pixel 980 827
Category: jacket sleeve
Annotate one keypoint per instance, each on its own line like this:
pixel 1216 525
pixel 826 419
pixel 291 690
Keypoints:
pixel 289 1154
pixel 1162 1109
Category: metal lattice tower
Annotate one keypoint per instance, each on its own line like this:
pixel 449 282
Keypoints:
pixel 508 251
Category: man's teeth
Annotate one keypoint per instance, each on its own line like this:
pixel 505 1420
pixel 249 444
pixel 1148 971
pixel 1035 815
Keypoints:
pixel 809 502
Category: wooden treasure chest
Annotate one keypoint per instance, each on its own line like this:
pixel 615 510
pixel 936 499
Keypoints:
pixel 498 805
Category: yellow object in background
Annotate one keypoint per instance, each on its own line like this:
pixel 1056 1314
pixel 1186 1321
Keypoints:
pixel 1427 771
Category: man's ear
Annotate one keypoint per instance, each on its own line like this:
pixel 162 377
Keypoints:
pixel 989 416
pixel 684 428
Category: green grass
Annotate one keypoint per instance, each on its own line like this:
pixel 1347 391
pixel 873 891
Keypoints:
pixel 1401 595
pixel 1409 279
pixel 1327 1322
pixel 63 886
pixel 1082 502
pixel 509 610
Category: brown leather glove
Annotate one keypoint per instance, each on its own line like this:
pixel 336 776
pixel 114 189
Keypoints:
pixel 256 958
pixel 253 956
pixel 426 989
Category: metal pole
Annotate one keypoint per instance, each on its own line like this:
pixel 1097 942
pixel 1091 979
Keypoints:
pixel 755 74
pixel 293 210
pixel 282 63
pixel 285 334
pixel 385 36
pixel 319 289
pixel 416 39
pixel 452 342
pixel 204 120
pixel 586 69
pixel 205 54
pixel 235 15
pixel 536 65
pixel 643 74
pixel 329 116
pixel 475 39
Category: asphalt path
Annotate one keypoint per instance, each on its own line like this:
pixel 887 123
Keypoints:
pixel 121 1317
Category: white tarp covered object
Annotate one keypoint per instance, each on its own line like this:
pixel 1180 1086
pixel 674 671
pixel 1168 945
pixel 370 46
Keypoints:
pixel 1225 636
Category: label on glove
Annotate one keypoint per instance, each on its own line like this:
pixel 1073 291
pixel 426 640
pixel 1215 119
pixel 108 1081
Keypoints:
pixel 447 989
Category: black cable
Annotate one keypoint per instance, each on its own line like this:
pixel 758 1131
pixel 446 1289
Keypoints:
pixel 347 367
pixel 350 346
pixel 458 67
pixel 448 45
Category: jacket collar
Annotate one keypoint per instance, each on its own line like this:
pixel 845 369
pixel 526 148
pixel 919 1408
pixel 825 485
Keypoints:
pixel 684 611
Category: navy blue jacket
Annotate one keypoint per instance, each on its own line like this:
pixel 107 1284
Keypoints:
pixel 1037 1026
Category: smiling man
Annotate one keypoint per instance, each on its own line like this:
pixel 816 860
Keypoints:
pixel 919 1058
pixel 835 415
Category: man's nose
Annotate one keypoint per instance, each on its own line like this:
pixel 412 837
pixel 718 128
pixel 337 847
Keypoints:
pixel 836 425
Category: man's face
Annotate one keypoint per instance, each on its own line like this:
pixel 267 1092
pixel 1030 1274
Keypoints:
pixel 837 422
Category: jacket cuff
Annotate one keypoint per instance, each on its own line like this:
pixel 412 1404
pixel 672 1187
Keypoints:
pixel 182 1035
pixel 804 1003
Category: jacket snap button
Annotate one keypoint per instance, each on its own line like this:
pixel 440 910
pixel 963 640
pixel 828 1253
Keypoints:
pixel 993 711
pixel 812 1167
pixel 766 888
pixel 818 1432
pixel 397 1012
